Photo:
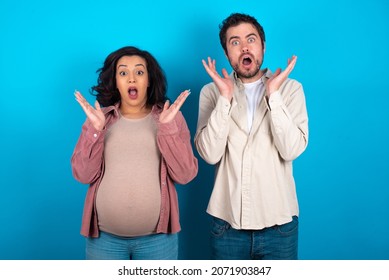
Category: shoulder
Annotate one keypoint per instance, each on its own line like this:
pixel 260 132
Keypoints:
pixel 111 108
pixel 209 93
pixel 291 85
pixel 156 110
pixel 209 88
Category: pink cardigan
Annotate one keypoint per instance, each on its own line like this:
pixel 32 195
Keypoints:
pixel 178 165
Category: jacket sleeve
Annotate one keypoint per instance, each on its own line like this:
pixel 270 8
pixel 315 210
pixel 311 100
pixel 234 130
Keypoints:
pixel 87 156
pixel 289 120
pixel 213 124
pixel 174 143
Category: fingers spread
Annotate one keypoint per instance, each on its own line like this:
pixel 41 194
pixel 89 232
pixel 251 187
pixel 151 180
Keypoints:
pixel 276 73
pixel 181 99
pixel 291 63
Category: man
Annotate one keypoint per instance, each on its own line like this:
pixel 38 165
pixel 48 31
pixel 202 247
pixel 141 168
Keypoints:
pixel 252 125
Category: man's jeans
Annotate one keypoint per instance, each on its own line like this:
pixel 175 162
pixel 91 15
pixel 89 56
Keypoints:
pixel 273 243
pixel 149 247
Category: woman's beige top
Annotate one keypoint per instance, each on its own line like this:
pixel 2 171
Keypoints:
pixel 128 199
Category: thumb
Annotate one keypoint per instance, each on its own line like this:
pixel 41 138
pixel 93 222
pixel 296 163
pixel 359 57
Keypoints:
pixel 278 71
pixel 97 105
pixel 275 74
pixel 225 73
pixel 166 105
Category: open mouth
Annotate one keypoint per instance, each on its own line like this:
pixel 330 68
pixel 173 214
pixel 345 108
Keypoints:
pixel 247 61
pixel 133 92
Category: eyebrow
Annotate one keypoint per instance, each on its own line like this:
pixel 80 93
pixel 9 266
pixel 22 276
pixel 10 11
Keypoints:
pixel 124 65
pixel 237 37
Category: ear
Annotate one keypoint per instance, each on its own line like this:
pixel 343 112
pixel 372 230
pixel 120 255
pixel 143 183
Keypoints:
pixel 264 47
pixel 226 54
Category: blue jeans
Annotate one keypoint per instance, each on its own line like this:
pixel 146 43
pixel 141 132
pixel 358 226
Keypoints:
pixel 149 247
pixel 273 243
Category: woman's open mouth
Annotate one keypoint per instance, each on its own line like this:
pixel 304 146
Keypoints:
pixel 133 92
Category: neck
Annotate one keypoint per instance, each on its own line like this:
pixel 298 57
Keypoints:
pixel 134 113
pixel 252 79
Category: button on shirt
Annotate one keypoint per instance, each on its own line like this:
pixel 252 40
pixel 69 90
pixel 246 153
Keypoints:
pixel 254 186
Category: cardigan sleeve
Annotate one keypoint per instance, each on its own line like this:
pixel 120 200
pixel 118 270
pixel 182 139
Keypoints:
pixel 174 143
pixel 87 156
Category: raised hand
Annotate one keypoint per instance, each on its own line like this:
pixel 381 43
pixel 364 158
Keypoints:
pixel 224 84
pixel 274 83
pixel 169 112
pixel 95 115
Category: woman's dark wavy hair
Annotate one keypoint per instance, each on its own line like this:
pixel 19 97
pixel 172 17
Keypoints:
pixel 106 91
pixel 234 20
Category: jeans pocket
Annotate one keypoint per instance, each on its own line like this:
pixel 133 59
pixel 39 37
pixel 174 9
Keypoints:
pixel 289 228
pixel 218 227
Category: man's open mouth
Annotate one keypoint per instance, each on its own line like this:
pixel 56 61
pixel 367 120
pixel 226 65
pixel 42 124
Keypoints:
pixel 247 60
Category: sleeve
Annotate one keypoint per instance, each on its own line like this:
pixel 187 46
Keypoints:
pixel 289 120
pixel 174 143
pixel 213 124
pixel 87 157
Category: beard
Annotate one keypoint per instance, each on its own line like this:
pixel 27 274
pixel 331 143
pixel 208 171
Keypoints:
pixel 247 74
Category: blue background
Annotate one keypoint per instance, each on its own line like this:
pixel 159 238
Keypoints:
pixel 50 48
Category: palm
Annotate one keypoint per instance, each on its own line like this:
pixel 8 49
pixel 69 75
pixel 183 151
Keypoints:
pixel 224 84
pixel 274 83
pixel 169 112
pixel 95 115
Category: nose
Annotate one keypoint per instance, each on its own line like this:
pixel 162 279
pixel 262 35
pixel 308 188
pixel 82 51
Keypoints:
pixel 131 80
pixel 245 49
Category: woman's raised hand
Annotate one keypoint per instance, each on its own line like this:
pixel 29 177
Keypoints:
pixel 170 111
pixel 95 115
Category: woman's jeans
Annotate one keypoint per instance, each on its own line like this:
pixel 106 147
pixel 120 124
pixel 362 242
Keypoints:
pixel 150 247
pixel 273 243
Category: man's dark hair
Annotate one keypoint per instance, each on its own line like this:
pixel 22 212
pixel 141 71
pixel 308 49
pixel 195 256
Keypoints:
pixel 234 20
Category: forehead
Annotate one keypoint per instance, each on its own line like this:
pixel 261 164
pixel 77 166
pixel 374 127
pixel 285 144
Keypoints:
pixel 242 30
pixel 131 61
